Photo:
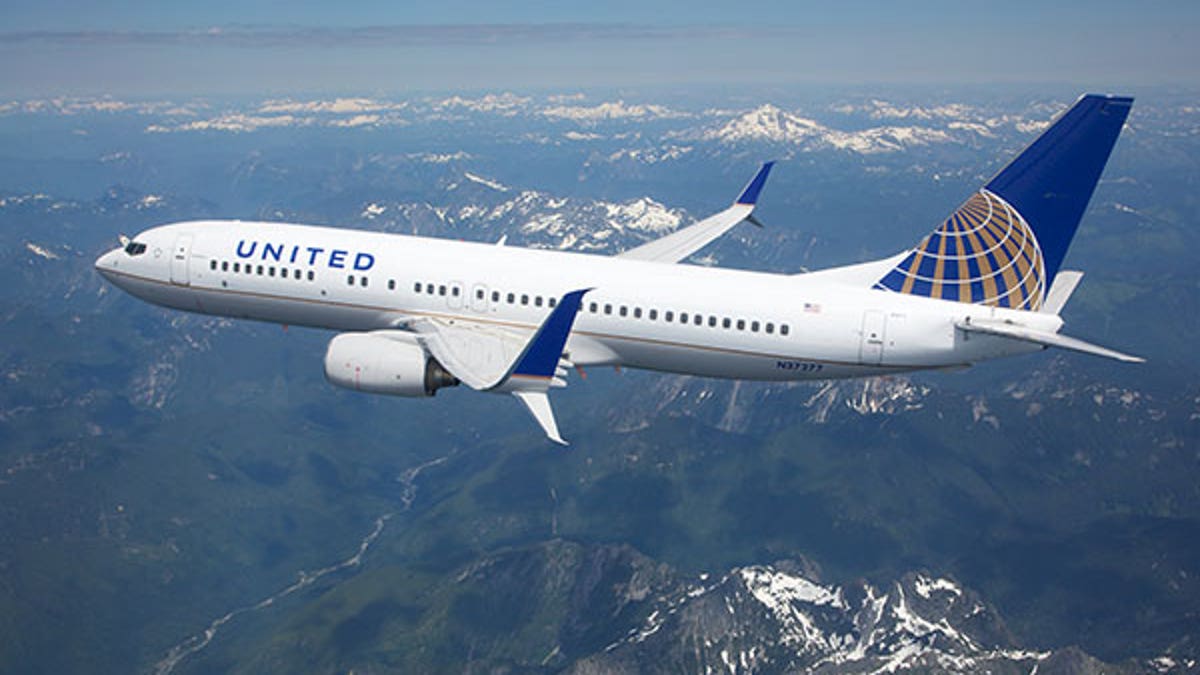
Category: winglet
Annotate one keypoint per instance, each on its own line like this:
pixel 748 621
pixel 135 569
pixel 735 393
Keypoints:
pixel 541 355
pixel 683 242
pixel 538 404
pixel 750 194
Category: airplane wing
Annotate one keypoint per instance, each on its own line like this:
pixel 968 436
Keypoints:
pixel 680 244
pixel 496 359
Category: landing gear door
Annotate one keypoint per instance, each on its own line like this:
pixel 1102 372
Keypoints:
pixel 180 257
pixel 874 332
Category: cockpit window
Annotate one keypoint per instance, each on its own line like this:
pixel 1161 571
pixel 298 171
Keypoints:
pixel 135 248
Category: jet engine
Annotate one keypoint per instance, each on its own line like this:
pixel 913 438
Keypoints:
pixel 384 365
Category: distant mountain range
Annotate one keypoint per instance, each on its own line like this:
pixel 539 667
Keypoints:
pixel 766 123
pixel 162 471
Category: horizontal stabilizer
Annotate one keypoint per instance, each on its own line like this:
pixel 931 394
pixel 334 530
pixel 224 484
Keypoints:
pixel 1045 338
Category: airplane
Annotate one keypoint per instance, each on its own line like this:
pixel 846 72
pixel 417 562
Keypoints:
pixel 418 314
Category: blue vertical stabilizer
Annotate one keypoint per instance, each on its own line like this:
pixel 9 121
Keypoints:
pixel 1051 183
pixel 1005 244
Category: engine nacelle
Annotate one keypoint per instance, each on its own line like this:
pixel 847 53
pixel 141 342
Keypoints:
pixel 382 365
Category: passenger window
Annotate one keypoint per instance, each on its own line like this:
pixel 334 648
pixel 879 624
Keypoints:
pixel 553 303
pixel 495 296
pixel 783 329
pixel 391 284
pixel 237 267
pixel 537 301
pixel 524 299
pixel 753 326
pixel 670 316
pixel 454 290
pixel 479 293
pixel 350 280
pixel 741 324
pixel 683 317
pixel 212 265
pixel 624 310
pixel 260 270
pixel 725 322
pixel 442 290
pixel 770 327
pixel 429 289
pixel 592 308
pixel 511 298
pixel 363 281
pixel 311 276
pixel 653 314
pixel 224 265
pixel 608 309
pixel 712 322
pixel 417 287
pixel 637 312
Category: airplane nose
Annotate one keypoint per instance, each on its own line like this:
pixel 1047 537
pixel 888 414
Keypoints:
pixel 106 263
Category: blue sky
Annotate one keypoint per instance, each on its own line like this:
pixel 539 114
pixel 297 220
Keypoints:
pixel 149 48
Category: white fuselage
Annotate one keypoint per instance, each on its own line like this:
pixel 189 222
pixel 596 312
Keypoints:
pixel 667 317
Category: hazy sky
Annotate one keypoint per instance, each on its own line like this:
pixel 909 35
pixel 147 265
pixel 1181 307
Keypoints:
pixel 156 47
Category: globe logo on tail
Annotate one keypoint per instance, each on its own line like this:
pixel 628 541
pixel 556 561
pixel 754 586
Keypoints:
pixel 985 253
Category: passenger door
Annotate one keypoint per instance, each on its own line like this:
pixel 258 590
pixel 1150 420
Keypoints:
pixel 180 258
pixel 874 329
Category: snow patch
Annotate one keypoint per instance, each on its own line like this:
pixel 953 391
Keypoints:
pixel 581 136
pixel 499 187
pixel 40 251
pixel 642 214
pixel 234 123
pixel 372 211
pixel 357 121
pixel 507 103
pixel 615 110
pixel 651 155
pixel 771 588
pixel 440 158
pixel 926 586
pixel 338 106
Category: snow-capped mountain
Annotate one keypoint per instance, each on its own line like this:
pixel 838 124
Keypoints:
pixel 478 206
pixel 773 618
pixel 612 110
pixel 879 109
pixel 770 124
